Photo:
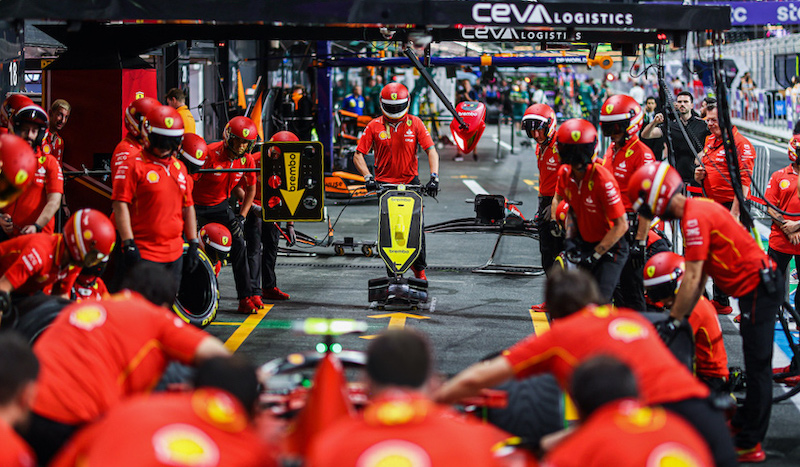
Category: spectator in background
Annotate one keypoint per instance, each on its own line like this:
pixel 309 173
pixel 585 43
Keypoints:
pixel 19 369
pixel 401 418
pixel 371 97
pixel 59 114
pixel 302 122
pixel 637 92
pixel 339 91
pixel 657 145
pixel 354 102
pixel 607 398
pixel 538 96
pixel 176 99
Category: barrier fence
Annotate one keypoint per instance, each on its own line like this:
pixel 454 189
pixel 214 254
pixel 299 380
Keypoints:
pixel 768 108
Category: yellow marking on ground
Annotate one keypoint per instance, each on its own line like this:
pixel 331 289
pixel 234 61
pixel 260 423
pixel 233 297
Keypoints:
pixel 529 182
pixel 462 176
pixel 397 320
pixel 244 330
pixel 540 323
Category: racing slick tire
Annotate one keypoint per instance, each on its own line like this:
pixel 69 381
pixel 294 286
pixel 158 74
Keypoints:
pixel 37 313
pixel 198 296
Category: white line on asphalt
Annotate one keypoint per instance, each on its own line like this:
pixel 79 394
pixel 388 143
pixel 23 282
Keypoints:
pixel 503 143
pixel 475 187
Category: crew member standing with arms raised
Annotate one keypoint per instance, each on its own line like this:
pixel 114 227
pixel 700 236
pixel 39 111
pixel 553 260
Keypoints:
pixel 394 137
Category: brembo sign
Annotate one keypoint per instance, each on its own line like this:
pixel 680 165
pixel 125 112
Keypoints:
pixel 537 13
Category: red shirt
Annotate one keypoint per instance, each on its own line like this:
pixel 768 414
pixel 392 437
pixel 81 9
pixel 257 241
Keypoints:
pixel 711 359
pixel 623 162
pixel 14 451
pixel 605 330
pixel 548 162
pixel 782 192
pixel 596 201
pixel 94 292
pixel 127 149
pixel 97 353
pixel 27 208
pixel 157 190
pixel 395 146
pixel 717 182
pixel 410 429
pixel 31 263
pixel 212 189
pixel 54 145
pixel 151 430
pixel 730 255
pixel 627 434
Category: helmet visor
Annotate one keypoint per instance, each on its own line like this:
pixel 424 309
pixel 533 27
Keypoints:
pixel 576 153
pixel 661 292
pixel 93 258
pixel 164 143
pixel 532 124
pixel 614 128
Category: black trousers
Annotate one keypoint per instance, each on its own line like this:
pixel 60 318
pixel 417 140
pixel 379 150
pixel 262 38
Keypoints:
pixel 630 289
pixel 549 245
pixel 783 259
pixel 223 214
pixel 710 423
pixel 608 270
pixel 46 436
pixel 121 268
pixel 759 312
pixel 262 251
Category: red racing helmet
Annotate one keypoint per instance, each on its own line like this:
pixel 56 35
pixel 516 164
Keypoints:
pixel 162 128
pixel 394 101
pixel 652 187
pixel 284 136
pixel 240 135
pixel 89 276
pixel 193 152
pixel 576 141
pixel 540 117
pixel 34 115
pixel 216 241
pixel 17 167
pixel 663 274
pixel 562 211
pixel 135 113
pixel 89 237
pixel 13 103
pixel 794 148
pixel 621 114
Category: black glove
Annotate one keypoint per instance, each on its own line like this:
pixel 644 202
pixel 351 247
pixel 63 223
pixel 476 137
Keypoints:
pixel 291 235
pixel 191 259
pixel 432 188
pixel 370 183
pixel 668 330
pixel 637 252
pixel 555 228
pixel 589 260
pixel 237 226
pixel 130 253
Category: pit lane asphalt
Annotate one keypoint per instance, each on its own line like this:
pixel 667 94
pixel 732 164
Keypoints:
pixel 474 315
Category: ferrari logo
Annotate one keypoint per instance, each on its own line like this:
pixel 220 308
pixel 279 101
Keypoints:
pixel 394 96
pixel 198 154
pixel 636 110
pixel 139 95
pixel 22 177
pixel 651 271
pixel 576 135
pixel 225 241
pixel 628 153
pixel 243 160
pixel 591 185
pixel 169 121
pixel 245 132
pixel 609 108
pixel 42 159
pixel 177 165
